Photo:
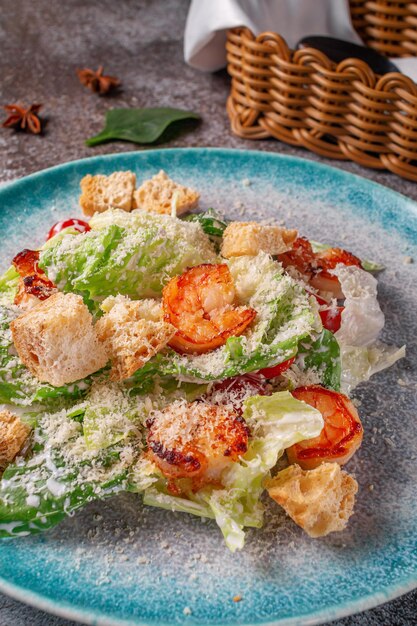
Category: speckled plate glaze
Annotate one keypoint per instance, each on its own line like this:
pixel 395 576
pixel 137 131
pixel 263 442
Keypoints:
pixel 120 563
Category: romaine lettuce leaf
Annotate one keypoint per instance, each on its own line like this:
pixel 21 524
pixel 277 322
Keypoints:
pixel 276 422
pixel 24 512
pixel 284 317
pixel 134 254
pixel 8 286
pixel 360 363
pixel 89 451
pixel 76 457
pixel 321 353
pixel 59 477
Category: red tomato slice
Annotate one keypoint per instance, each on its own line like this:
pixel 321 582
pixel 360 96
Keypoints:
pixel 332 318
pixel 237 389
pixel 320 300
pixel 73 222
pixel 277 370
pixel 254 382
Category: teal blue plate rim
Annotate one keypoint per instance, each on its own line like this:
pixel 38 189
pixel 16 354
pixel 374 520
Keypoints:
pixel 343 609
pixel 259 154
pixel 100 619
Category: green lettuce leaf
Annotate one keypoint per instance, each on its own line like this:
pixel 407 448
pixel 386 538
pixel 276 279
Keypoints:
pixel 276 422
pixel 50 500
pixel 37 492
pixel 8 285
pixel 89 451
pixel 76 457
pixel 359 363
pixel 134 254
pixel 322 354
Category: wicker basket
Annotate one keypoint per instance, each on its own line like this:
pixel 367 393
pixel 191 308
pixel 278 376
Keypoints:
pixel 341 111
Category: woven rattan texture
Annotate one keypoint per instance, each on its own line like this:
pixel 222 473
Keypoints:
pixel 304 99
pixel 389 26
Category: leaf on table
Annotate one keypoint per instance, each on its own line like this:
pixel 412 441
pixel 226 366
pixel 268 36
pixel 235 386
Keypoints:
pixel 139 125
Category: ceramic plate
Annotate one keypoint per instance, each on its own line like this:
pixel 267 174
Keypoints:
pixel 120 563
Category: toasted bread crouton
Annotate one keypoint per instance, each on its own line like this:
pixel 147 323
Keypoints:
pixel 57 340
pixel 157 195
pixel 99 193
pixel 130 339
pixel 13 434
pixel 319 500
pixel 250 238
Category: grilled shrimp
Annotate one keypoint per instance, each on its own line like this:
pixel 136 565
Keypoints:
pixel 200 304
pixel 341 435
pixel 34 285
pixel 315 267
pixel 195 441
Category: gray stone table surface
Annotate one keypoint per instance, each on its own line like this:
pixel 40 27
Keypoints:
pixel 41 45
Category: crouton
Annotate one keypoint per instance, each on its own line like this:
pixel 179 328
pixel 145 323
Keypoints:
pixel 13 434
pixel 57 340
pixel 250 238
pixel 319 500
pixel 99 193
pixel 157 194
pixel 130 339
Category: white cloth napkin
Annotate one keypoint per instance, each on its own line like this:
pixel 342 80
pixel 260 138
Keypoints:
pixel 209 20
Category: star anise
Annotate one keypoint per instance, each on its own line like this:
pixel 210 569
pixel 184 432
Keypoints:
pixel 96 81
pixel 26 119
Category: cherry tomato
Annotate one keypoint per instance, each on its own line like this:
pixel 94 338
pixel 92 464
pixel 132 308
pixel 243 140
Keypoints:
pixel 341 435
pixel 277 370
pixel 332 318
pixel 78 225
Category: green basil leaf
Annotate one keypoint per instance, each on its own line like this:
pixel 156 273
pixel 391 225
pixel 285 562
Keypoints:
pixel 139 125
